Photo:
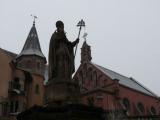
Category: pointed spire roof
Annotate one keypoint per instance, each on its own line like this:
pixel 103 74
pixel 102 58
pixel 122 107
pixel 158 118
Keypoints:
pixel 85 44
pixel 32 45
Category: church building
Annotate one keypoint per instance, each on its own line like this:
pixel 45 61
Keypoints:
pixel 114 92
pixel 22 76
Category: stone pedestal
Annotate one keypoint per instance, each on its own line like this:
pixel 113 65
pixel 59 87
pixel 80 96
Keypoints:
pixel 63 104
pixel 67 112
pixel 61 92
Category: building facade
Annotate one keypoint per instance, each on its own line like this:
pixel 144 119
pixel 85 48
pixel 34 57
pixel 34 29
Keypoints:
pixel 22 76
pixel 118 95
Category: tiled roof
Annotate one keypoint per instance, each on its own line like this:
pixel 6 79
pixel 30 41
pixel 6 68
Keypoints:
pixel 11 54
pixel 123 80
pixel 32 45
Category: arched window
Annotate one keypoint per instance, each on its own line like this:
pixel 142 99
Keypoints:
pixel 99 80
pixel 95 78
pixel 4 108
pixel 28 76
pixel 16 106
pixel 140 108
pixel 153 111
pixel 81 81
pixel 85 71
pixel 126 103
pixel 11 106
pixel 90 101
pixel 89 74
pixel 37 89
pixel 16 84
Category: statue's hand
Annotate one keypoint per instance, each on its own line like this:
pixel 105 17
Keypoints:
pixel 77 40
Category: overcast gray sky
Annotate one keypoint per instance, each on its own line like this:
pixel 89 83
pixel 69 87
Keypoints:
pixel 124 34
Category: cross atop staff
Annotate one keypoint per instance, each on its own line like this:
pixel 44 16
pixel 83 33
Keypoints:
pixel 80 25
pixel 34 18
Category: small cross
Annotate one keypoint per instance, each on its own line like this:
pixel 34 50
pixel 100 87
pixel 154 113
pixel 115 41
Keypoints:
pixel 81 23
pixel 85 36
pixel 34 18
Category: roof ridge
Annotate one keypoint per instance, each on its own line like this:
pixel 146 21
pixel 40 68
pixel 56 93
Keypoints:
pixel 111 71
pixel 12 54
pixel 143 87
pixel 129 78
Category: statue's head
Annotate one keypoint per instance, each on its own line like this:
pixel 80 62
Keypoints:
pixel 60 26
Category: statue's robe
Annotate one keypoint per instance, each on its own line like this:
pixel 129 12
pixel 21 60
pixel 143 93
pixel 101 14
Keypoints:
pixel 61 56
